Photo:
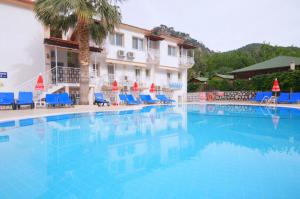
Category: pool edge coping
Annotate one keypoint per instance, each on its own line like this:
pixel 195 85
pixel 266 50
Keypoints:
pixel 140 107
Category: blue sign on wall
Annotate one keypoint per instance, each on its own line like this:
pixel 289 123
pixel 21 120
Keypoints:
pixel 3 74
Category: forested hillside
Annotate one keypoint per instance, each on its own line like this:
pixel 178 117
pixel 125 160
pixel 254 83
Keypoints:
pixel 209 63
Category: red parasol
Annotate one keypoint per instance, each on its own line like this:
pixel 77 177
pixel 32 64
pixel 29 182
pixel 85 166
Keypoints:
pixel 135 87
pixel 276 87
pixel 115 86
pixel 40 83
pixel 152 88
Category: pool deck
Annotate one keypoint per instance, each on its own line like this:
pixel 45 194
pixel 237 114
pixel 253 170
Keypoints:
pixel 8 114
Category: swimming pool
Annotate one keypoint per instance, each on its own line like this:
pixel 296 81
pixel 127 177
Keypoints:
pixel 188 151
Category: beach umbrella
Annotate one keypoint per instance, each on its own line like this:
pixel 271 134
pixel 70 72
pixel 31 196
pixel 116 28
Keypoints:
pixel 115 86
pixel 152 88
pixel 40 83
pixel 135 87
pixel 276 87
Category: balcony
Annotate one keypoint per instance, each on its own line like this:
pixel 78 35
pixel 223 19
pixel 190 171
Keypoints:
pixel 67 75
pixel 186 61
pixel 153 55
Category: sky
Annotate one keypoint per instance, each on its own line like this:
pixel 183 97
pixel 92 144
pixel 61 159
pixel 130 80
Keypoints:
pixel 221 25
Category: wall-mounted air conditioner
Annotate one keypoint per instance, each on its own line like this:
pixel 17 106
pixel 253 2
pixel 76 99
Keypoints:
pixel 130 55
pixel 121 53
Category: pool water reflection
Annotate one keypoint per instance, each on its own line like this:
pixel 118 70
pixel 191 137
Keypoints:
pixel 189 151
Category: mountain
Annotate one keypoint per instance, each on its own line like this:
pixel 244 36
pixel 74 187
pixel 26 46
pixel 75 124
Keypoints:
pixel 208 63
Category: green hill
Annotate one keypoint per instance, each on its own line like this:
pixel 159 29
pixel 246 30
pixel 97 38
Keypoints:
pixel 208 63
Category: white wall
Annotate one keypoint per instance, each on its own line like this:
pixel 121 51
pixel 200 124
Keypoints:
pixel 165 59
pixel 140 56
pixel 21 45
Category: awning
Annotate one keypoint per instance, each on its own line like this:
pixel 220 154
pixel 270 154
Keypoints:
pixel 67 44
pixel 169 68
pixel 128 63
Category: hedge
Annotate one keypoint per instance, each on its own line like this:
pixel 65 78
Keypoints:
pixel 288 81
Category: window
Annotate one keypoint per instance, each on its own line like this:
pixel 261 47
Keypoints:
pixel 116 39
pixel 169 76
pixel 147 73
pixel 190 53
pixel 137 73
pixel 110 69
pixel 137 43
pixel 153 44
pixel 179 76
pixel 172 51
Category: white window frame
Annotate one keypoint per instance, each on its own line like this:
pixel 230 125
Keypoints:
pixel 170 52
pixel 179 75
pixel 169 76
pixel 139 42
pixel 113 39
pixel 147 73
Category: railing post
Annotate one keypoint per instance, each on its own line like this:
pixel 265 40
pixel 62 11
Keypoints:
pixel 56 72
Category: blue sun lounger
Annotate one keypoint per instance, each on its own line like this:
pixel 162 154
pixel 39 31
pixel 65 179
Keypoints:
pixel 294 98
pixel 164 99
pixel 7 99
pixel 131 99
pixel 52 100
pixel 25 98
pixel 148 100
pixel 123 98
pixel 260 96
pixel 64 99
pixel 99 99
pixel 283 98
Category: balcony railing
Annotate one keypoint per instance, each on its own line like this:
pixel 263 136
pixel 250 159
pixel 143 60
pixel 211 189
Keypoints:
pixel 153 54
pixel 187 60
pixel 65 75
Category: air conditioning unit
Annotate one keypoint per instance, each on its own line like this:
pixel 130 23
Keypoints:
pixel 130 55
pixel 121 53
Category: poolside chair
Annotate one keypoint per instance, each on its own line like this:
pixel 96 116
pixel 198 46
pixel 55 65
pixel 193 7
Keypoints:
pixel 25 98
pixel 123 98
pixel 131 100
pixel 64 99
pixel 262 96
pixel 148 100
pixel 52 100
pixel 7 99
pixel 283 98
pixel 164 99
pixel 294 98
pixel 99 100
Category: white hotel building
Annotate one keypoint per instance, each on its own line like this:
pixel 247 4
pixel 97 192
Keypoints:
pixel 27 48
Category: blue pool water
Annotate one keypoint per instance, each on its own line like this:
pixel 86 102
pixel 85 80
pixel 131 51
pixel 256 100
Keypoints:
pixel 189 151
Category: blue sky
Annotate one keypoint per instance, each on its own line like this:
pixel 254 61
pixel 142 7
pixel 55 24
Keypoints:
pixel 221 24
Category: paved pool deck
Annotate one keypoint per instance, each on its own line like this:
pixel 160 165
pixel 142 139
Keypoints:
pixel 8 114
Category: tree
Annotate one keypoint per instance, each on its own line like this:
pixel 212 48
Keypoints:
pixel 61 15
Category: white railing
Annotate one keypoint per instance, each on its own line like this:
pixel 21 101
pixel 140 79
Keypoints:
pixel 187 60
pixel 68 75
pixel 29 85
pixel 175 85
pixel 153 54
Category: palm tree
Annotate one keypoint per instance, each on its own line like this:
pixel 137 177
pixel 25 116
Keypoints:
pixel 91 18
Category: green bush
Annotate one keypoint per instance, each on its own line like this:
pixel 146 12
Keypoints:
pixel 219 84
pixel 287 81
pixel 193 87
pixel 240 84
